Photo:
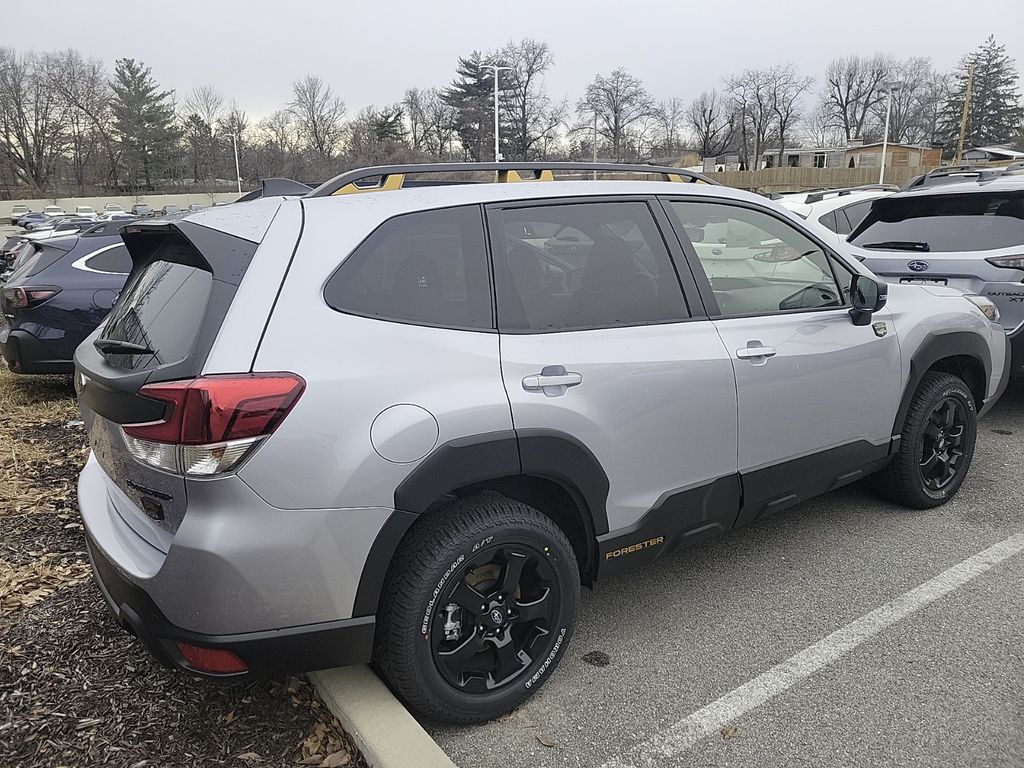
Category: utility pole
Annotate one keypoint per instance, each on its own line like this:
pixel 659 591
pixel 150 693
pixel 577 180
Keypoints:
pixel 497 144
pixel 890 86
pixel 963 116
pixel 593 143
pixel 238 173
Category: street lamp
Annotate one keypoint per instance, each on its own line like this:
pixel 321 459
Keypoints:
pixel 892 85
pixel 497 146
pixel 238 173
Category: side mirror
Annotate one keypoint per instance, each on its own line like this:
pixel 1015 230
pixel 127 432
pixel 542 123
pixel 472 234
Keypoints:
pixel 867 295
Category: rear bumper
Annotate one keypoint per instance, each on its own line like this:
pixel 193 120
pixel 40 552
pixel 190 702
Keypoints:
pixel 24 353
pixel 274 652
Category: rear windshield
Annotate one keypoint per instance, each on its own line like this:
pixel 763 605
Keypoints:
pixel 162 310
pixel 28 263
pixel 981 221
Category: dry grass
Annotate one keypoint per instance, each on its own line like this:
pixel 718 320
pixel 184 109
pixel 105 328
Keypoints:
pixel 75 689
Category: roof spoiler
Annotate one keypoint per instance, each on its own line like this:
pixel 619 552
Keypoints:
pixel 390 177
pixel 276 187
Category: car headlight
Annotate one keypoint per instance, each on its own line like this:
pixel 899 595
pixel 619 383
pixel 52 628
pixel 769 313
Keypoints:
pixel 990 310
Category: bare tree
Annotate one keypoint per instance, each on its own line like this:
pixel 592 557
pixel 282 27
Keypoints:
pixel 524 99
pixel 751 98
pixel 412 103
pixel 671 116
pixel 319 114
pixel 32 117
pixel 440 123
pixel 206 102
pixel 913 103
pixel 712 123
pixel 853 88
pixel 618 101
pixel 787 87
pixel 819 129
pixel 83 86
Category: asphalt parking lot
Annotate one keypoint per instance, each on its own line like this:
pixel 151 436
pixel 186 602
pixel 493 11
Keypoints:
pixel 664 648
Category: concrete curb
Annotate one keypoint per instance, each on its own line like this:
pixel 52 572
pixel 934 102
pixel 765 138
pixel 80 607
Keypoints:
pixel 385 732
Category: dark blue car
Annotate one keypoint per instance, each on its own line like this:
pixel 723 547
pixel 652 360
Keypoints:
pixel 57 295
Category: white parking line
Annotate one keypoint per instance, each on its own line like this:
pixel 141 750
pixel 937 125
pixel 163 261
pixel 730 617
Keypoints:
pixel 710 719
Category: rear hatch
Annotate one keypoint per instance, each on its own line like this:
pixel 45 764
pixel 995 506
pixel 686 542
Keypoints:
pixel 161 329
pixel 972 241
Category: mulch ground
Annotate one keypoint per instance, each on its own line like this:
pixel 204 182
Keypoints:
pixel 75 689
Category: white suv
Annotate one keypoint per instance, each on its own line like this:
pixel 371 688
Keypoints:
pixel 834 213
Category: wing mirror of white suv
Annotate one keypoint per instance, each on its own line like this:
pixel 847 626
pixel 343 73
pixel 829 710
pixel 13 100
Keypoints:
pixel 867 295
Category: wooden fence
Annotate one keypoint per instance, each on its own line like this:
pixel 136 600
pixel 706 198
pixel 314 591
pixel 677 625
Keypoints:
pixel 799 179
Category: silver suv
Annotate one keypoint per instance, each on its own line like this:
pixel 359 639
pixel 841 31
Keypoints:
pixel 967 235
pixel 405 426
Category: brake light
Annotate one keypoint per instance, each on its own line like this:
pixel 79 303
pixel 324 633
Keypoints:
pixel 213 422
pixel 23 298
pixel 1007 262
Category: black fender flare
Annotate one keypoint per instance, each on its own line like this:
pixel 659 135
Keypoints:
pixel 936 347
pixel 549 454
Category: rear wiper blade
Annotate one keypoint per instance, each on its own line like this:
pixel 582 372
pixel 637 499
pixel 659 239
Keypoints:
pixel 121 347
pixel 899 245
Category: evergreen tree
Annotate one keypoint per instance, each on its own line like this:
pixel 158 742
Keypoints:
pixel 995 113
pixel 143 120
pixel 472 97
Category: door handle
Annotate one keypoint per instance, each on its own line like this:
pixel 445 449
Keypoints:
pixel 755 351
pixel 553 380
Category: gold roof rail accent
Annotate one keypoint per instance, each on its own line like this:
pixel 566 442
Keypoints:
pixel 388 181
pixel 390 177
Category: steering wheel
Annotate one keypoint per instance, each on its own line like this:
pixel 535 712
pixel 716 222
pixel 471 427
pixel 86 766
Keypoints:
pixel 811 297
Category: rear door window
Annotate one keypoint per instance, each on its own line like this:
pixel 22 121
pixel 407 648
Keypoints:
pixel 582 266
pixel 162 310
pixel 426 268
pixel 979 221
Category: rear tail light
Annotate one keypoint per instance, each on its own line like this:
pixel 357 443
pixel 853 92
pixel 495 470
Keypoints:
pixel 23 298
pixel 211 424
pixel 1007 262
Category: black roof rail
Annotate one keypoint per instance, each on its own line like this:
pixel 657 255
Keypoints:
pixel 276 187
pixel 951 174
pixel 389 177
pixel 818 196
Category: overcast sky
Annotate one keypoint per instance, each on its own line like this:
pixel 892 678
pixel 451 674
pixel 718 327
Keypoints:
pixel 251 50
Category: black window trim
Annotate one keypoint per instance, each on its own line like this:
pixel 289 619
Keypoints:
pixel 704 285
pixel 692 298
pixel 422 323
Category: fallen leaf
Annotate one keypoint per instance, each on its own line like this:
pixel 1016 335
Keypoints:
pixel 546 740
pixel 229 717
pixel 335 760
pixel 250 757
pixel 728 732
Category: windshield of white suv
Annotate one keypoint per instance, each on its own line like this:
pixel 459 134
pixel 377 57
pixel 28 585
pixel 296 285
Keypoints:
pixel 980 221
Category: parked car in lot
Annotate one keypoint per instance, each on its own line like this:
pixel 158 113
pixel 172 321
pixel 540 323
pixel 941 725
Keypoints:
pixel 968 235
pixel 85 211
pixel 53 210
pixel 141 210
pixel 836 211
pixel 58 228
pixel 17 211
pixel 30 218
pixel 170 210
pixel 60 292
pixel 406 425
pixel 113 208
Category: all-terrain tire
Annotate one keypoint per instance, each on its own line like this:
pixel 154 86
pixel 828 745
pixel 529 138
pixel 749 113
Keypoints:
pixel 440 549
pixel 902 480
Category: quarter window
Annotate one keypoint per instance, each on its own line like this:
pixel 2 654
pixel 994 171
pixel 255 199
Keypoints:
pixel 581 266
pixel 114 259
pixel 756 263
pixel 425 268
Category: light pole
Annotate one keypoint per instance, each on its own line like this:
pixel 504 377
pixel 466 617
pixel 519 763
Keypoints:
pixel 890 86
pixel 238 173
pixel 497 145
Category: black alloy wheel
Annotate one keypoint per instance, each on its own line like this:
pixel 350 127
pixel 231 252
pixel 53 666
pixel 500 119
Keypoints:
pixel 942 449
pixel 496 617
